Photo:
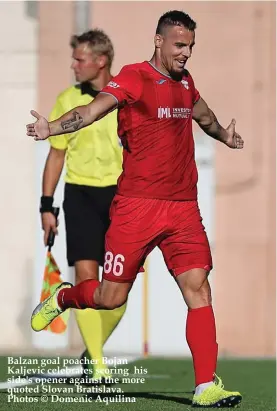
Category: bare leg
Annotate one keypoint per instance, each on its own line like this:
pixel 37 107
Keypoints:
pixel 110 295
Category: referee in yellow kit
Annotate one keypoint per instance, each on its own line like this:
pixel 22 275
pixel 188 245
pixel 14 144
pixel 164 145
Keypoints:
pixel 93 158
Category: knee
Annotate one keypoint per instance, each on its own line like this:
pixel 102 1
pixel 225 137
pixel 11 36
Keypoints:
pixel 205 293
pixel 196 289
pixel 202 288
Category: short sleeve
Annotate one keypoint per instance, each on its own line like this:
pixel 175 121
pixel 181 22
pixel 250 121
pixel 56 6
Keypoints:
pixel 126 87
pixel 195 92
pixel 196 95
pixel 59 142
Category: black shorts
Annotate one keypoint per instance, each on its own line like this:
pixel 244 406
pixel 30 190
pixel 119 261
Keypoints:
pixel 86 211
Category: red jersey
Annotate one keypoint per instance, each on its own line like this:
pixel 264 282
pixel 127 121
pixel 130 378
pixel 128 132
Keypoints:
pixel 155 127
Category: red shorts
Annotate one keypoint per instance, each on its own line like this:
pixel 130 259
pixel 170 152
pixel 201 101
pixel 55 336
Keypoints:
pixel 138 225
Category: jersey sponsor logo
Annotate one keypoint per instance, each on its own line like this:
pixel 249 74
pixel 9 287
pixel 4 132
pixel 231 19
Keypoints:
pixel 185 84
pixel 164 112
pixel 113 84
pixel 181 112
pixel 161 81
pixel 175 112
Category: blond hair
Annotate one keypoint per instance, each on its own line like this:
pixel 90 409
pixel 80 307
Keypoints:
pixel 99 42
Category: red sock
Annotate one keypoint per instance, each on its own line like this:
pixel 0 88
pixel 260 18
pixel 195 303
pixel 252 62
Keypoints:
pixel 201 338
pixel 80 296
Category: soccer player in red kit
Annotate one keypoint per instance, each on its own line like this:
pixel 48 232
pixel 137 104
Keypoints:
pixel 156 200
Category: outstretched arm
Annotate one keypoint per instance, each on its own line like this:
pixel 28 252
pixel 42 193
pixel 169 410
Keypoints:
pixel 73 120
pixel 207 120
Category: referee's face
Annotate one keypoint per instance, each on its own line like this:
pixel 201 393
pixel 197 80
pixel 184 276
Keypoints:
pixel 85 63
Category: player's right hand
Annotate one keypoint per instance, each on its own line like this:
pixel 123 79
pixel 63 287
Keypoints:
pixel 40 129
pixel 48 222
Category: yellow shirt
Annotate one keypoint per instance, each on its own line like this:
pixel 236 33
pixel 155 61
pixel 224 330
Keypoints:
pixel 94 153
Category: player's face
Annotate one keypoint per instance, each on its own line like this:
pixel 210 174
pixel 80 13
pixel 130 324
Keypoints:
pixel 176 48
pixel 85 63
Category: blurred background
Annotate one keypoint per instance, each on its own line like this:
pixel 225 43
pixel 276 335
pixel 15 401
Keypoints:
pixel 233 66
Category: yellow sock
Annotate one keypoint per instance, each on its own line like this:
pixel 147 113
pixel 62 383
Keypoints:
pixel 110 320
pixel 96 326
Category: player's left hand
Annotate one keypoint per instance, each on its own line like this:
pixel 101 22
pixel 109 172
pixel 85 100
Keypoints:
pixel 233 140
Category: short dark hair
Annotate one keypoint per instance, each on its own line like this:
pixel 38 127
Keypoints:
pixel 175 18
pixel 98 41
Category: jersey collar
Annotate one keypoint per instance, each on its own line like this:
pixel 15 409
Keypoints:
pixel 185 72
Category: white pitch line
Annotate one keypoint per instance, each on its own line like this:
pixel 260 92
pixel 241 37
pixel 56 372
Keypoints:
pixel 8 385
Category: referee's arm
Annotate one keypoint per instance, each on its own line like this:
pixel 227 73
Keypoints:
pixel 52 171
pixel 56 156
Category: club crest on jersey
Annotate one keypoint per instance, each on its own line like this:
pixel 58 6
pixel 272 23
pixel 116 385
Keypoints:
pixel 185 84
pixel 112 84
pixel 161 81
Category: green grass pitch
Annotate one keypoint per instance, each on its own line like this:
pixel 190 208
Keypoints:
pixel 167 387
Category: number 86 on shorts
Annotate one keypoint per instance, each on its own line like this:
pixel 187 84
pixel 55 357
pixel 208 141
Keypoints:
pixel 113 264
